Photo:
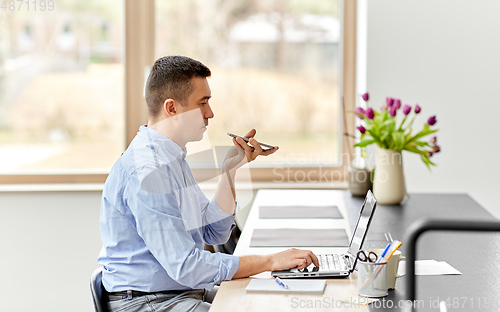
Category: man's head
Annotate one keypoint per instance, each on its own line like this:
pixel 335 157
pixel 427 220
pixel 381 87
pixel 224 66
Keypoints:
pixel 177 95
pixel 171 78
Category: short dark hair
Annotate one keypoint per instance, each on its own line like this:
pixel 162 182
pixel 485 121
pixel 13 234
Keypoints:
pixel 170 77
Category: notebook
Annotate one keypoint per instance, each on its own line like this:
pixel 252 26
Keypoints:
pixel 309 286
pixel 299 212
pixel 337 265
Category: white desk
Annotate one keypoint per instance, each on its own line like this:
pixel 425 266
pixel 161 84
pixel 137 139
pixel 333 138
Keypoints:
pixel 232 295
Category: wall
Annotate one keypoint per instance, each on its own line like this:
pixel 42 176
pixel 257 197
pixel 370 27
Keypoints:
pixel 49 247
pixel 445 56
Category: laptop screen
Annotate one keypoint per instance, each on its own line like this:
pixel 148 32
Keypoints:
pixel 364 219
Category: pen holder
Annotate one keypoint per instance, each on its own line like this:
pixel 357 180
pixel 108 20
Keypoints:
pixel 372 279
pixel 392 267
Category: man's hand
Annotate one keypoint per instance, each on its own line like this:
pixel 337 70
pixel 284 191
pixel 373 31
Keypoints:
pixel 242 153
pixel 293 258
pixel 237 156
pixel 288 259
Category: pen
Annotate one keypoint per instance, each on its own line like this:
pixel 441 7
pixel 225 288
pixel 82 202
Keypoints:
pixel 382 255
pixel 246 140
pixel 280 282
pixel 394 246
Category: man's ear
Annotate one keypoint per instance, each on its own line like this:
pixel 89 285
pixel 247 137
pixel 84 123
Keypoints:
pixel 169 106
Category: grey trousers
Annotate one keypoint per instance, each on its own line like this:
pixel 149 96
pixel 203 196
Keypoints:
pixel 193 300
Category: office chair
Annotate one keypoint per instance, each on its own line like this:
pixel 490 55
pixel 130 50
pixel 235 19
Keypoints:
pixel 418 227
pixel 230 245
pixel 99 293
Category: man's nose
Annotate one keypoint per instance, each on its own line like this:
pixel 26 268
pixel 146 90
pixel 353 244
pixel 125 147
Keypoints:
pixel 208 112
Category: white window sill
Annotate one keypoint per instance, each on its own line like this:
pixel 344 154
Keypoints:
pixel 207 186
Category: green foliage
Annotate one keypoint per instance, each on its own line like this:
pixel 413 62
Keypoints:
pixel 384 131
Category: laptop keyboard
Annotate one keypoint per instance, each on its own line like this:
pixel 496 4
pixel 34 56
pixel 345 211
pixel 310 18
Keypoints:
pixel 331 262
pixel 328 262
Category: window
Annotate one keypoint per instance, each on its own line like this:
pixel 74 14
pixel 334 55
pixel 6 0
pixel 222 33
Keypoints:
pixel 275 67
pixel 301 53
pixel 61 86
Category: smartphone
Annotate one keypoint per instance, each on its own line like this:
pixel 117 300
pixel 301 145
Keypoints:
pixel 246 140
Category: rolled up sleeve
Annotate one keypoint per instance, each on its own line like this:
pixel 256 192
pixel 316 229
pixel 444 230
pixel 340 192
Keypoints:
pixel 217 224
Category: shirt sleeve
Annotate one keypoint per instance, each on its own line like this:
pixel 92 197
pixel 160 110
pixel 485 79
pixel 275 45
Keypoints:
pixel 159 223
pixel 217 224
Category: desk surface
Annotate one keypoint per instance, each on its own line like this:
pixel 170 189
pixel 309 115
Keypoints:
pixel 474 254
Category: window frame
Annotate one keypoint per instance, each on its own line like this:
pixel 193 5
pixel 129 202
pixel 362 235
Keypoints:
pixel 139 54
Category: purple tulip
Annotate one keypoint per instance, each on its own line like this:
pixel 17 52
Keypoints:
pixel 436 149
pixel 389 101
pixel 406 109
pixel 417 109
pixel 433 140
pixel 430 154
pixel 359 110
pixel 393 111
pixel 366 97
pixel 361 129
pixel 397 103
pixel 432 120
pixel 370 114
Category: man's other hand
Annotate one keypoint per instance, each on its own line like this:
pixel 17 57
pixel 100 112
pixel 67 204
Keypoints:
pixel 243 153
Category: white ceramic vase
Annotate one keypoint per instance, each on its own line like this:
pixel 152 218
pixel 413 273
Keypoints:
pixel 389 182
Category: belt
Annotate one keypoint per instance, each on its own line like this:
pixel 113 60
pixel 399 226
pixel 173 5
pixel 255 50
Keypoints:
pixel 130 294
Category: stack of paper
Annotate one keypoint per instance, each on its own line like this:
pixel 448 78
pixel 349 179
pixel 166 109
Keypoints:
pixel 430 267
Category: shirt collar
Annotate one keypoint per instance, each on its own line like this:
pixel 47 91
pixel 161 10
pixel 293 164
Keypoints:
pixel 172 147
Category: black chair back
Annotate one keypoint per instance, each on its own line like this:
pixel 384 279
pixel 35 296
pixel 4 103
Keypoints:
pixel 99 293
pixel 419 227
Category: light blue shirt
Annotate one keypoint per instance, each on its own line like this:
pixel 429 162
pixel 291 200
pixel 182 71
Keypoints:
pixel 154 220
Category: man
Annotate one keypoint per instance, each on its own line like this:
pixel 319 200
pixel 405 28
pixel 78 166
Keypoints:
pixel 154 217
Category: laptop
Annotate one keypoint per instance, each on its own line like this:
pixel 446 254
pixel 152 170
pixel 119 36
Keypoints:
pixel 339 265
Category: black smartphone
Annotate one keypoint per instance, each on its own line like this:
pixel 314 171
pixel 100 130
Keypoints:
pixel 246 140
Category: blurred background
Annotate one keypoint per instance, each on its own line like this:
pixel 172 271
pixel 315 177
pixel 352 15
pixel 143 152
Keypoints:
pixel 275 67
pixel 61 85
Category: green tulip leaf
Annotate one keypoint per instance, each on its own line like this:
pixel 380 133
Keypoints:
pixel 364 143
pixel 399 140
pixel 374 134
pixel 388 122
pixel 427 161
pixel 422 144
pixel 422 134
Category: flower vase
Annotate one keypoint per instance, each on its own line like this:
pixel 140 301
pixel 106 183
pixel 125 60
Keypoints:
pixel 389 183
